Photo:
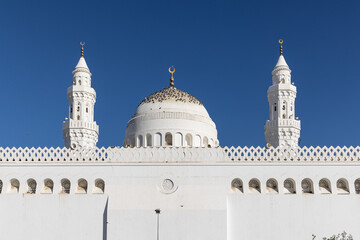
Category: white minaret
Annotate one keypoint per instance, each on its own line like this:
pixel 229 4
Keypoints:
pixel 80 130
pixel 282 129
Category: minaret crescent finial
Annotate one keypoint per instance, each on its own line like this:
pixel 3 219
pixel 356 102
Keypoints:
pixel 281 47
pixel 171 71
pixel 82 48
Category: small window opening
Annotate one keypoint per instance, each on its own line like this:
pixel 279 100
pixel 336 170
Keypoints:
pixel 357 186
pixel 78 108
pixel 1 186
pixel 283 107
pixel 254 186
pixel 48 186
pixel 14 185
pixel 289 186
pixel 284 116
pixel 237 185
pixel 342 186
pixel 65 184
pixel 272 186
pixel 307 186
pixel 82 186
pixel 324 186
pixel 87 110
pixel 80 82
pixel 168 139
pixel 31 186
pixel 78 117
pixel 148 140
pixel 99 186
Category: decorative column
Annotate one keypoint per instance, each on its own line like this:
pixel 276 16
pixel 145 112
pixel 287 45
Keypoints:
pixel 80 130
pixel 282 129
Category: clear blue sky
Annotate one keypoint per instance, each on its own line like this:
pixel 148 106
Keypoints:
pixel 223 51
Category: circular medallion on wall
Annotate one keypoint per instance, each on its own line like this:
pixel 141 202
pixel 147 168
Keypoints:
pixel 167 185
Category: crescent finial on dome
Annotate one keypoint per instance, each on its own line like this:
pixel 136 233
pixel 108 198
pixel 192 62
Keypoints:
pixel 171 71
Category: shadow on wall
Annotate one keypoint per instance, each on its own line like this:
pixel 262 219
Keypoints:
pixel 105 220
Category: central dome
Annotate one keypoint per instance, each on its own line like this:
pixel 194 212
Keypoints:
pixel 171 117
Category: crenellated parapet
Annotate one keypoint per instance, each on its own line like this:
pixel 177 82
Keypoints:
pixel 181 155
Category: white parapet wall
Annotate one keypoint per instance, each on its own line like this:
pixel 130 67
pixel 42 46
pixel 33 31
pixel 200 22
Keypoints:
pixel 181 154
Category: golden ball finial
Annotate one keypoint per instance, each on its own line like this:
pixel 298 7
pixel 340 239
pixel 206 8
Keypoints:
pixel 82 48
pixel 281 47
pixel 171 71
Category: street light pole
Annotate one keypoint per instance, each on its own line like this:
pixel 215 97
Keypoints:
pixel 157 211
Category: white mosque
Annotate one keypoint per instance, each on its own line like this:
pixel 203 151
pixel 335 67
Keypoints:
pixel 172 180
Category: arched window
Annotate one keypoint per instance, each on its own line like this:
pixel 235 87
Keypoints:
pixel 1 186
pixel 157 140
pixel 87 109
pixel 78 117
pixel 65 185
pixel 274 107
pixel 342 186
pixel 48 186
pixel 254 186
pixel 307 186
pixel 188 140
pixel 237 185
pixel 178 140
pixel 79 82
pixel 78 108
pixel 132 141
pixel 140 142
pixel 31 186
pixel 272 186
pixel 148 140
pixel 14 185
pixel 357 186
pixel 289 186
pixel 168 139
pixel 99 186
pixel 324 186
pixel 206 142
pixel 82 186
pixel 283 108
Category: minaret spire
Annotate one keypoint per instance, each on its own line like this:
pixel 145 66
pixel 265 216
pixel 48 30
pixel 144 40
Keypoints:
pixel 82 48
pixel 80 130
pixel 282 129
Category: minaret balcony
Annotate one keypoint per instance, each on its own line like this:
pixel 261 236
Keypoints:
pixel 283 123
pixel 78 124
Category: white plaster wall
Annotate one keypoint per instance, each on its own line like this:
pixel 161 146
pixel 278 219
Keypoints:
pixel 63 217
pixel 202 204
pixel 284 217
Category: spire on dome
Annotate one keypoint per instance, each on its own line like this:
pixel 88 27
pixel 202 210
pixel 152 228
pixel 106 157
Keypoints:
pixel 171 71
pixel 281 48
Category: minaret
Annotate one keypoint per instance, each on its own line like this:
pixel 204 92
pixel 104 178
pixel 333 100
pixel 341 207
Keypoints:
pixel 80 130
pixel 282 129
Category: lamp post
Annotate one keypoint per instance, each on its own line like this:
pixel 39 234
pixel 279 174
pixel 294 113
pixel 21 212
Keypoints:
pixel 157 211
